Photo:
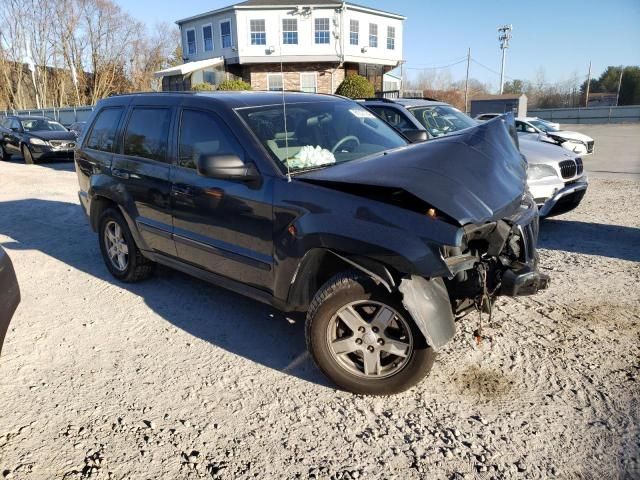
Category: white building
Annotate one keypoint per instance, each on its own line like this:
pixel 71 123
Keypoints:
pixel 314 44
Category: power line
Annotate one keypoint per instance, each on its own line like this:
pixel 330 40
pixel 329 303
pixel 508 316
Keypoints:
pixel 440 67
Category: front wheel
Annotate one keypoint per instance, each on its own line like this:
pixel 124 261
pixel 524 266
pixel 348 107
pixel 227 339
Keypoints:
pixel 363 339
pixel 26 154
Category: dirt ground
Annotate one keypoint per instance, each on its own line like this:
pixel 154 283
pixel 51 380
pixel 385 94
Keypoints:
pixel 174 378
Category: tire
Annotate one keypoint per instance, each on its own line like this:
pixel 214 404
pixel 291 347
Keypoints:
pixel 391 373
pixel 4 156
pixel 135 267
pixel 26 154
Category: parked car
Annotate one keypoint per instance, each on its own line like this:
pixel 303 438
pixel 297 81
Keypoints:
pixel 77 128
pixel 535 121
pixel 542 124
pixel 327 212
pixel 35 138
pixel 574 141
pixel 9 294
pixel 556 178
pixel 483 117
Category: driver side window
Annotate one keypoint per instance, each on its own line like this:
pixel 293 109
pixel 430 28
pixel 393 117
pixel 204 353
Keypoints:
pixel 203 134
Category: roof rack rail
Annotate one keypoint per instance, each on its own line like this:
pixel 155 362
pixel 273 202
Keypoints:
pixel 379 99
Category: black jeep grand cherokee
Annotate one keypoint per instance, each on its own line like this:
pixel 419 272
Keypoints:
pixel 315 206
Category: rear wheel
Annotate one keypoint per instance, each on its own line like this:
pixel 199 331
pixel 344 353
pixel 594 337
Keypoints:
pixel 363 339
pixel 26 154
pixel 119 250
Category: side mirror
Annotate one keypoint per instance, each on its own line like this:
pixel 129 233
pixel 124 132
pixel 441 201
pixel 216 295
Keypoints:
pixel 530 130
pixel 15 129
pixel 228 167
pixel 415 135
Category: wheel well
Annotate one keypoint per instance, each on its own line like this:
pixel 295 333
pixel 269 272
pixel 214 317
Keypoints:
pixel 316 268
pixel 99 205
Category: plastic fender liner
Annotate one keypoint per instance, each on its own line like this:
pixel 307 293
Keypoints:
pixel 428 303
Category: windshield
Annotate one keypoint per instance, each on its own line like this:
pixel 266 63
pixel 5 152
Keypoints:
pixel 40 125
pixel 544 126
pixel 319 134
pixel 442 119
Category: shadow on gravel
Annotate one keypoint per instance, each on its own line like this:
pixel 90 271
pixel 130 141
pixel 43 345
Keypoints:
pixel 65 166
pixel 612 241
pixel 225 319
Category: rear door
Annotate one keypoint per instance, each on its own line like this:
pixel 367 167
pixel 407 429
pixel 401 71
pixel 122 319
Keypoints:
pixel 223 226
pixel 142 167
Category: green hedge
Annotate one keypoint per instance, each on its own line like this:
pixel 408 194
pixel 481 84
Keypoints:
pixel 203 87
pixel 234 85
pixel 356 86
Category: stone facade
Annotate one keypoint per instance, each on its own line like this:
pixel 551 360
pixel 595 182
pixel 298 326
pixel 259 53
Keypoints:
pixel 257 75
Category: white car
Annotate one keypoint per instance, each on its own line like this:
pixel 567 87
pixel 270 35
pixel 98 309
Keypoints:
pixel 574 141
pixel 543 124
pixel 556 177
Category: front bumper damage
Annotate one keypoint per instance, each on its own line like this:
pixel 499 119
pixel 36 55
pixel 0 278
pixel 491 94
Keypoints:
pixel 569 196
pixel 496 259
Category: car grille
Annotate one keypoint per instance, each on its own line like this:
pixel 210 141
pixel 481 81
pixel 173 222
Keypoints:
pixel 568 168
pixel 579 166
pixel 590 147
pixel 62 144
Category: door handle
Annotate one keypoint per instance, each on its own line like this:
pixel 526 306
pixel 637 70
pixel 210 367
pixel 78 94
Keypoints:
pixel 183 190
pixel 116 172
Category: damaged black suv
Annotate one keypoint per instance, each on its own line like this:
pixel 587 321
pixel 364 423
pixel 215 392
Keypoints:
pixel 312 204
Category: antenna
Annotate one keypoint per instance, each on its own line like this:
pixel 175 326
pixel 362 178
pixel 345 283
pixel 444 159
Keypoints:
pixel 284 110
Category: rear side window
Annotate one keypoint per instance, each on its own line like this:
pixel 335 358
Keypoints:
pixel 147 133
pixel 203 134
pixel 103 133
pixel 393 117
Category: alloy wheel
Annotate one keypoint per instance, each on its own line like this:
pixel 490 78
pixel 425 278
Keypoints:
pixel 370 339
pixel 117 248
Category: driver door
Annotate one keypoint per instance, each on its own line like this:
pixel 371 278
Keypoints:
pixel 224 226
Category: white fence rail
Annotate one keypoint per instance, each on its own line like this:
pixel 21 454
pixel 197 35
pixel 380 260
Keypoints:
pixel 65 116
pixel 622 114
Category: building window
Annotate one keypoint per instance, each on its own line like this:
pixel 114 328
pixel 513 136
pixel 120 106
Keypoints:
pixel 207 37
pixel 274 82
pixel 258 32
pixel 322 30
pixel 308 82
pixel 391 38
pixel 373 35
pixel 354 32
pixel 225 34
pixel 191 42
pixel 290 31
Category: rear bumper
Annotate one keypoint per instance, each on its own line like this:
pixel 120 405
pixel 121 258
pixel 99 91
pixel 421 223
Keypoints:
pixel 569 196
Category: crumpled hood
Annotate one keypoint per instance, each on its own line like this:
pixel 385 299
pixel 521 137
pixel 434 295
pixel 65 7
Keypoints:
pixel 473 176
pixel 49 135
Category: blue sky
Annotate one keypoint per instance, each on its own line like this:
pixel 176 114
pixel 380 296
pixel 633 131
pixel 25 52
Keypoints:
pixel 559 36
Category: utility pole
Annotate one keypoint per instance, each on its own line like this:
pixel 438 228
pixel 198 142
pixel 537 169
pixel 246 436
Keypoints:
pixel 466 82
pixel 504 35
pixel 619 85
pixel 586 100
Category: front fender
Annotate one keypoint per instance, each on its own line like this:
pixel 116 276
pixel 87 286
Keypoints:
pixel 311 217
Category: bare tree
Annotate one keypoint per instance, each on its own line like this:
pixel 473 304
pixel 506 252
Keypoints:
pixel 73 52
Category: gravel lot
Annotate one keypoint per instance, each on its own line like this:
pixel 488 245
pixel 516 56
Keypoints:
pixel 174 378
